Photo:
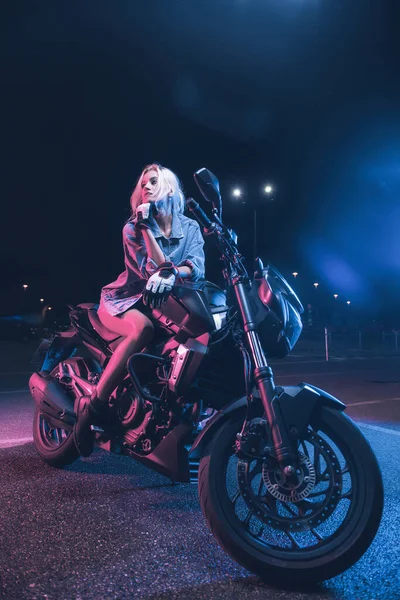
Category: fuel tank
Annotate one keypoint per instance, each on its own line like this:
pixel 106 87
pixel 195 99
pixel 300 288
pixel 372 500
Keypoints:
pixel 189 310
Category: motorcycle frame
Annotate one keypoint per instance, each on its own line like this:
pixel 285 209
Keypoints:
pixel 284 445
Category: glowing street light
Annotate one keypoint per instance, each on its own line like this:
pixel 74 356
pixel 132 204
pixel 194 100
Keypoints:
pixel 348 302
pixel 42 300
pixel 25 286
pixel 295 274
pixel 268 189
pixel 316 285
pixel 335 295
pixel 237 193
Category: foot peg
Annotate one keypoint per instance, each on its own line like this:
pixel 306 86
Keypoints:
pixel 91 413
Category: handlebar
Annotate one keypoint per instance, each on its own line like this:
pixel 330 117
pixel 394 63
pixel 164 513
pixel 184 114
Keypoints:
pixel 225 241
pixel 198 213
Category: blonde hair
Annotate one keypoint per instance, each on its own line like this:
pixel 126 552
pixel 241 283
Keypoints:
pixel 167 182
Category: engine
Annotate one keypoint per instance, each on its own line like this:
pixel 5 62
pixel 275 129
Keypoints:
pixel 142 423
pixel 134 414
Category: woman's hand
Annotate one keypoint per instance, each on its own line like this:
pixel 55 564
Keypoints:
pixel 159 285
pixel 143 213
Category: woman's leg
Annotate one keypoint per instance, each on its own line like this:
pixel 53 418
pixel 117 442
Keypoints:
pixel 138 331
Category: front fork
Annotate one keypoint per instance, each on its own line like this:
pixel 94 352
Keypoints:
pixel 264 380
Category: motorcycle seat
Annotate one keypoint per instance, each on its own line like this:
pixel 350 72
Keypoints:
pixel 106 334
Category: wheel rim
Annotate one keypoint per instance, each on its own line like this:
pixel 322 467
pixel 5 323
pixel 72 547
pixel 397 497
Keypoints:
pixel 52 437
pixel 256 503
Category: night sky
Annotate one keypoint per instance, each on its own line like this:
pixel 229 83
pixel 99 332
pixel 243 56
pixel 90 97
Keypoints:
pixel 304 94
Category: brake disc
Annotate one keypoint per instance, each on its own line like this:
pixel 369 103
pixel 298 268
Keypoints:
pixel 277 506
pixel 290 491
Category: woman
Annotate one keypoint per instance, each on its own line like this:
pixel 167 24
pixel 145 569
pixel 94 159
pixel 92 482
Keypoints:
pixel 157 232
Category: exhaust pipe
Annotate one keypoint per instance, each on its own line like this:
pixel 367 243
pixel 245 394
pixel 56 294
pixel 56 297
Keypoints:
pixel 51 400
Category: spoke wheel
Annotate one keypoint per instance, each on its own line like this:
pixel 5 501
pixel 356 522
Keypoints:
pixel 301 506
pixel 308 528
pixel 52 437
pixel 55 445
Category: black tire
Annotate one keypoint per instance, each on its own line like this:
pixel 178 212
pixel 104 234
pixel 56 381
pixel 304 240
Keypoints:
pixel 293 565
pixel 55 446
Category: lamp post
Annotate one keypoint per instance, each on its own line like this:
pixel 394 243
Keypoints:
pixel 24 301
pixel 267 190
pixel 238 193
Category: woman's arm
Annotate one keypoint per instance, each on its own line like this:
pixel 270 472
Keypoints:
pixel 152 248
pixel 194 259
pixel 185 272
pixel 155 254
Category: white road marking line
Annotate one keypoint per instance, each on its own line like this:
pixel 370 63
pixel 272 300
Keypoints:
pixel 15 442
pixel 25 390
pixel 310 374
pixel 373 401
pixel 295 362
pixel 377 428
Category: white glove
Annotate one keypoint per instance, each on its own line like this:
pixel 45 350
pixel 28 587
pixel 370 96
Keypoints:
pixel 159 285
pixel 143 214
pixel 143 211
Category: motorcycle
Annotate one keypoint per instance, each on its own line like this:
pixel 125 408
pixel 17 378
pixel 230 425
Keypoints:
pixel 287 483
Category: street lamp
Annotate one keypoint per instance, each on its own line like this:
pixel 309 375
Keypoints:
pixel 316 285
pixel 268 189
pixel 239 193
pixel 348 302
pixel 335 296
pixel 25 286
pixel 42 300
pixel 295 274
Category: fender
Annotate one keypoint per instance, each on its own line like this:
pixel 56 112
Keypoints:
pixel 298 404
pixel 60 347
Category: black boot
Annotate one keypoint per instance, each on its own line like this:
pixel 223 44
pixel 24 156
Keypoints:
pixel 91 411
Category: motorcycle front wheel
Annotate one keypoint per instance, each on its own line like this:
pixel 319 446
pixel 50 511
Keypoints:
pixel 297 534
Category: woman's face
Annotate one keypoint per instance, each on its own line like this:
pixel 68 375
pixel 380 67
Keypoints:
pixel 149 186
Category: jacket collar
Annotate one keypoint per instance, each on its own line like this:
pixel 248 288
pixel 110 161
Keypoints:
pixel 176 231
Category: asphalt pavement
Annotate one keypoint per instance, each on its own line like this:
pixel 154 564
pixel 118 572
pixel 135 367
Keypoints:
pixel 107 527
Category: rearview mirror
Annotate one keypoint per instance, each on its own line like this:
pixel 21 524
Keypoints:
pixel 208 185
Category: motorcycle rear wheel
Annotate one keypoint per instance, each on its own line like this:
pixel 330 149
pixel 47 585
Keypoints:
pixel 288 543
pixel 54 445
